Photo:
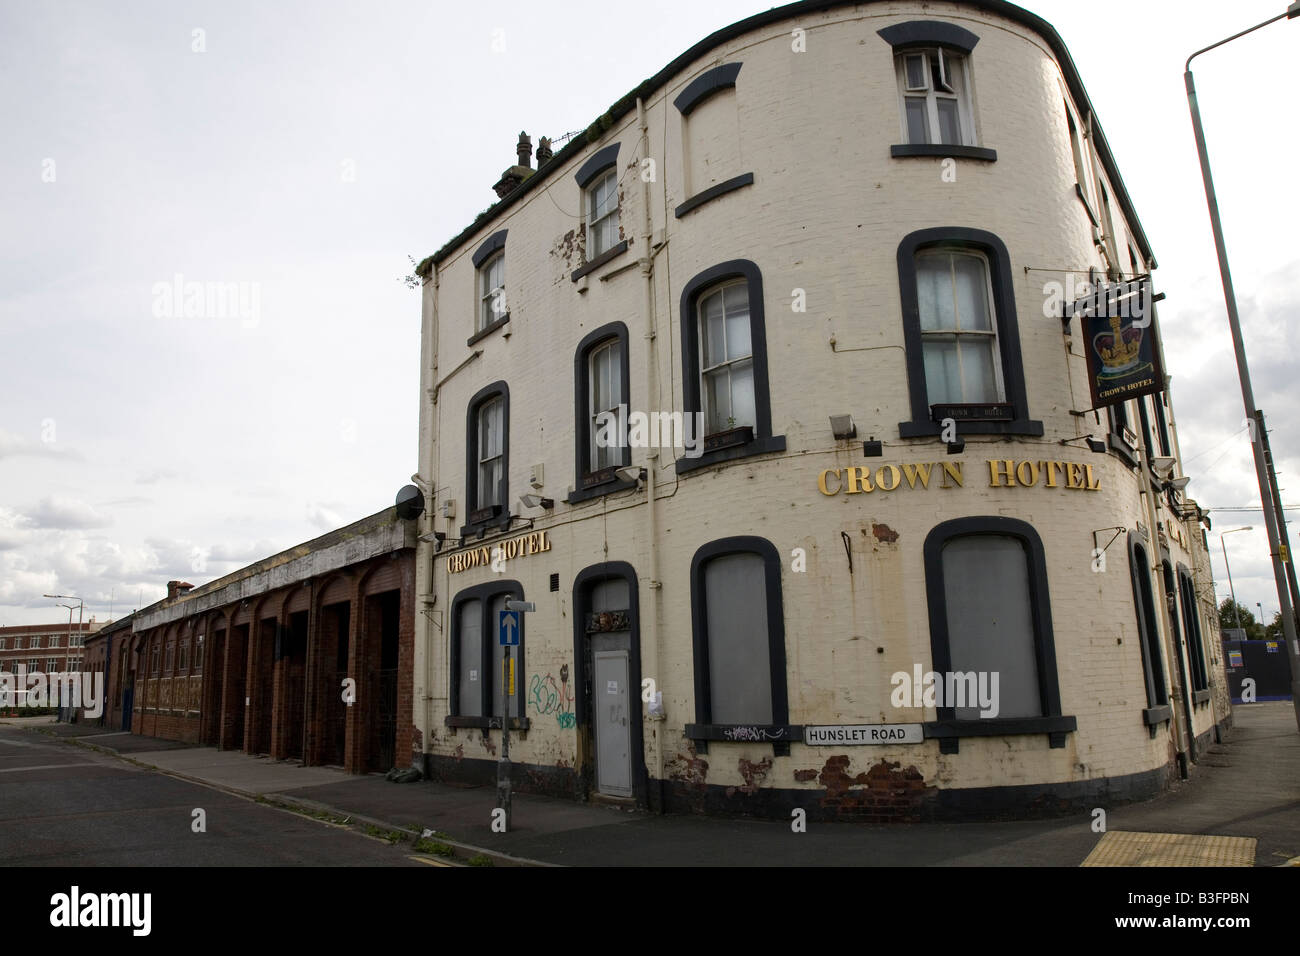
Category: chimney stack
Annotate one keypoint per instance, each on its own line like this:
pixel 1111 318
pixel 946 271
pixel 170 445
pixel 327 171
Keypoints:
pixel 515 175
pixel 176 589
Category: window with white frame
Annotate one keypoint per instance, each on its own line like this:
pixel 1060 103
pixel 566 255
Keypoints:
pixel 38 641
pixel 491 448
pixel 935 88
pixel 602 214
pixel 958 328
pixel 492 291
pixel 51 665
pixel 726 361
pixel 605 383
pixel 33 665
pixel 3 642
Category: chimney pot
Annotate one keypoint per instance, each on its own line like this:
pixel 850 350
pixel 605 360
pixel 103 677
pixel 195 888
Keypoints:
pixel 543 151
pixel 525 150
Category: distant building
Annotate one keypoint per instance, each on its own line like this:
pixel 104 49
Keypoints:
pixel 762 390
pixel 49 648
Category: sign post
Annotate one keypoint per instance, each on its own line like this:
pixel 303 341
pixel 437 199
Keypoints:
pixel 509 622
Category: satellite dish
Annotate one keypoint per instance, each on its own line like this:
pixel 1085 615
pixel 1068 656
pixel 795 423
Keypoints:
pixel 410 502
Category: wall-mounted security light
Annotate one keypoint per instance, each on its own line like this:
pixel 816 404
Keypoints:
pixel 533 501
pixel 842 427
pixel 631 473
pixel 1164 467
pixel 957 447
pixel 871 448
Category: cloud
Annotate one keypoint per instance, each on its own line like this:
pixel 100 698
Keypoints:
pixel 322 517
pixel 14 446
pixel 62 513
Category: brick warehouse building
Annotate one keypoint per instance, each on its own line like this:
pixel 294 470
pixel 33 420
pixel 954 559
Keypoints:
pixel 826 229
pixel 259 659
pixel 50 648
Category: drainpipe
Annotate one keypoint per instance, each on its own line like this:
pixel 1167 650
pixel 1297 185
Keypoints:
pixel 650 621
pixel 426 580
pixel 1162 618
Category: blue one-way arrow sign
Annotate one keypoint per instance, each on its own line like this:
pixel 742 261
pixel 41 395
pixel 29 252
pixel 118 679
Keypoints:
pixel 508 628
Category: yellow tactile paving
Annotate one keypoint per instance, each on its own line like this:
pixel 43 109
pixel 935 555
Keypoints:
pixel 1125 848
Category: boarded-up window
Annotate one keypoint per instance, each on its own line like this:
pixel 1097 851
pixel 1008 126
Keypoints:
pixel 740 667
pixel 991 621
pixel 469 654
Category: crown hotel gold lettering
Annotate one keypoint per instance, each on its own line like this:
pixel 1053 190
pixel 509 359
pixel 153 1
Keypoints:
pixel 517 547
pixel 1003 473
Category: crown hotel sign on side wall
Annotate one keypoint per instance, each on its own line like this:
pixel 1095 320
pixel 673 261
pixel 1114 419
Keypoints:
pixel 1120 342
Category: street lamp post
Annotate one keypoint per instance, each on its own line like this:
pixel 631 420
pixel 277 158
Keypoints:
pixel 1236 608
pixel 81 611
pixel 1247 392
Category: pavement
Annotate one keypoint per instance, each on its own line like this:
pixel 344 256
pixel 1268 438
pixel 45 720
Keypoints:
pixel 64 806
pixel 1246 788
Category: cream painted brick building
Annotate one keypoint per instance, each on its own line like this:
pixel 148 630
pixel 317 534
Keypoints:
pixel 858 180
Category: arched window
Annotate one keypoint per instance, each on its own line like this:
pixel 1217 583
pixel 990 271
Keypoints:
pixel 961 335
pixel 487 465
pixel 738 627
pixel 990 614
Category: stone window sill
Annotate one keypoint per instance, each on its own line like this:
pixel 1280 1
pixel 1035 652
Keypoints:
pixel 941 151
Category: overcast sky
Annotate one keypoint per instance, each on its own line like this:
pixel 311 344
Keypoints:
pixel 306 149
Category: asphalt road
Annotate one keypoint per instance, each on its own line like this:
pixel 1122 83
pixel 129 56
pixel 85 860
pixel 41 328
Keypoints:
pixel 66 806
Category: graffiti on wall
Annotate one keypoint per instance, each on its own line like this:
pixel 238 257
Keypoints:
pixel 545 697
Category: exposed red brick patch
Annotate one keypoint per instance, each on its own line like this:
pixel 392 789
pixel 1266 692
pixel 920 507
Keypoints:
pixel 884 792
pixel 885 533
pixel 752 773
pixel 417 740
pixel 805 775
pixel 459 753
pixel 688 767
pixel 488 745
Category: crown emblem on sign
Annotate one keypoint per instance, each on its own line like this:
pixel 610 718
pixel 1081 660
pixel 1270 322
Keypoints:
pixel 1118 348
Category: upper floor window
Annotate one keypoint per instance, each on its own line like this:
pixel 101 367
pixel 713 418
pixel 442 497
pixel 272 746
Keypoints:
pixel 38 641
pixel 492 291
pixel 727 360
pixel 936 101
pixel 155 655
pixel 601 397
pixel 491 424
pixel 961 334
pixel 3 643
pixel 185 655
pixel 171 655
pixel 606 394
pixel 198 654
pixel 724 366
pixel 490 264
pixel 958 336
pixel 602 214
pixel 487 455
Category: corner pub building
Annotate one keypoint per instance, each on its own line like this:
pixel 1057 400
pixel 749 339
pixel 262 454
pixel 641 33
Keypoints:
pixel 820 233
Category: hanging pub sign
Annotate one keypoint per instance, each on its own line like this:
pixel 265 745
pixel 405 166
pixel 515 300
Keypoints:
pixel 1119 335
